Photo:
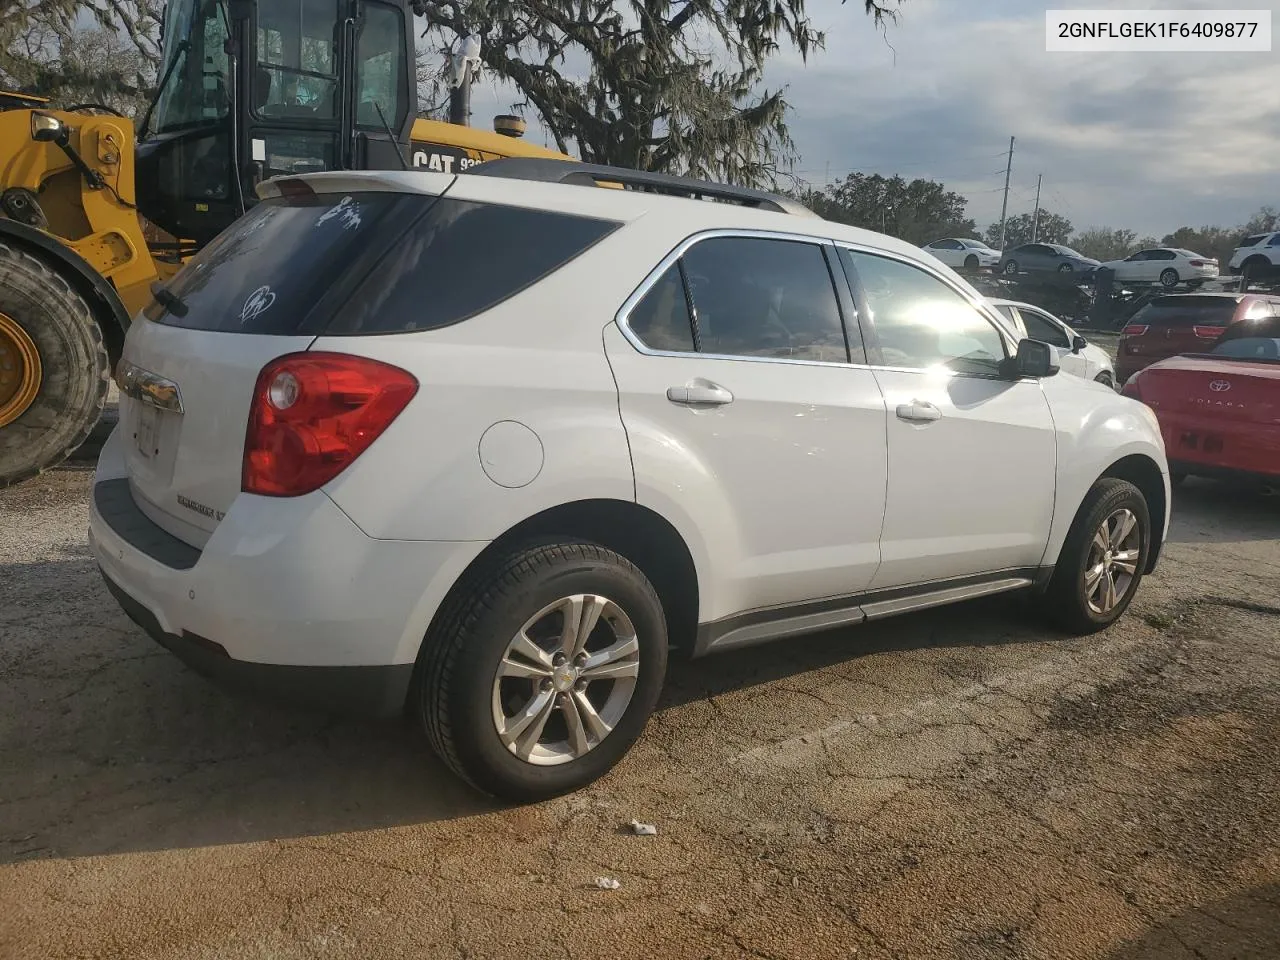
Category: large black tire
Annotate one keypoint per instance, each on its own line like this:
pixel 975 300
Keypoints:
pixel 453 695
pixel 75 371
pixel 1067 598
pixel 971 263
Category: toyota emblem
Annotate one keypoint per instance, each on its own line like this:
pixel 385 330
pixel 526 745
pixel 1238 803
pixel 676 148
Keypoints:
pixel 1219 386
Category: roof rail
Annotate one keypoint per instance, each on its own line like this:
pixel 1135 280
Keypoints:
pixel 595 174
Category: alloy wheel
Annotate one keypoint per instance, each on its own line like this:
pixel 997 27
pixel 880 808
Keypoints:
pixel 566 679
pixel 1112 564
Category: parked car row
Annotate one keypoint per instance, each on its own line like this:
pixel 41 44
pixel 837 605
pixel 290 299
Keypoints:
pixel 482 447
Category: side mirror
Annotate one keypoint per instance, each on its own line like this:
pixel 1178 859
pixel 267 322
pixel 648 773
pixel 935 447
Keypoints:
pixel 1078 343
pixel 1033 359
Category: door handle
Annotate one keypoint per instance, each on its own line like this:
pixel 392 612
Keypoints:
pixel 918 411
pixel 700 393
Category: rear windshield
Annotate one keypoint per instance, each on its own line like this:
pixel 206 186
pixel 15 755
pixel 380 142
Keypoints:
pixel 373 262
pixel 1189 311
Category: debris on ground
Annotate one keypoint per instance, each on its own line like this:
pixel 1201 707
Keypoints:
pixel 608 883
pixel 643 829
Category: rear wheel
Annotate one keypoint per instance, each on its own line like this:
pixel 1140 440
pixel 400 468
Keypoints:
pixel 1168 277
pixel 54 370
pixel 1102 560
pixel 1011 267
pixel 542 670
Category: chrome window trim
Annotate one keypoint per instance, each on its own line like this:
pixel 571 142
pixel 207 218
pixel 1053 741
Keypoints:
pixel 654 275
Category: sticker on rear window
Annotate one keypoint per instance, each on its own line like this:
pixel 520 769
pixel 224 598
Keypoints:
pixel 347 209
pixel 256 303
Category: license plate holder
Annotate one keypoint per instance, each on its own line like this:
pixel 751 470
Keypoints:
pixel 146 432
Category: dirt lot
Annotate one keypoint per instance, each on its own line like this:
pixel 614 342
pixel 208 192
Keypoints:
pixel 954 784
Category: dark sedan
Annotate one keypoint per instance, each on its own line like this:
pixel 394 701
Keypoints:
pixel 1045 258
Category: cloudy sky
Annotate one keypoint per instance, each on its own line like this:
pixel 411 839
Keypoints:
pixel 1149 141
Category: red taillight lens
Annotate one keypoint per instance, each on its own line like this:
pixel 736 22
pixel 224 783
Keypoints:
pixel 1134 330
pixel 1207 333
pixel 1200 263
pixel 314 413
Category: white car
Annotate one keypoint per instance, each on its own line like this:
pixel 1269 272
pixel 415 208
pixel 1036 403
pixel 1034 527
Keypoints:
pixel 963 253
pixel 1074 353
pixel 481 447
pixel 1167 266
pixel 1259 253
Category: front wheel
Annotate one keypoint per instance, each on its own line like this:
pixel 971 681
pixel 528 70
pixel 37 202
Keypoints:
pixel 53 367
pixel 971 262
pixel 1168 278
pixel 1104 378
pixel 543 670
pixel 1102 560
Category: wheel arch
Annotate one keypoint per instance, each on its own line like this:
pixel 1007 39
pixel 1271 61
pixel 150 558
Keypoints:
pixel 108 308
pixel 1144 473
pixel 640 534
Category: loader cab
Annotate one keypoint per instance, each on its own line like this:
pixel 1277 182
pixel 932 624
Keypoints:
pixel 250 89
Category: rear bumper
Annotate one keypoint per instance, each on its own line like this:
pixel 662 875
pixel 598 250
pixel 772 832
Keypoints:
pixel 363 691
pixel 1196 468
pixel 1207 446
pixel 288 598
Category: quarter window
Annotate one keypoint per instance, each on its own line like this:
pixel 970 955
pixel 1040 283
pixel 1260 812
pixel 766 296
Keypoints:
pixel 920 321
pixel 661 319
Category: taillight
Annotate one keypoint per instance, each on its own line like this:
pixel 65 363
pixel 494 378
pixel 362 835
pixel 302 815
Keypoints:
pixel 314 413
pixel 1201 263
pixel 1134 330
pixel 1207 333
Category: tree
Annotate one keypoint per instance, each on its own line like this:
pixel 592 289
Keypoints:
pixel 669 85
pixel 916 211
pixel 1050 228
pixel 1265 220
pixel 1106 243
pixel 47 48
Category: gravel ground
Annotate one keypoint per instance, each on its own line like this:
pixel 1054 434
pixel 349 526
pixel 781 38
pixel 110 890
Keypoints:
pixel 959 783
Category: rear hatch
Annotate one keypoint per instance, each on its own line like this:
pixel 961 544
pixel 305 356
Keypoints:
pixel 263 288
pixel 1220 390
pixel 1168 326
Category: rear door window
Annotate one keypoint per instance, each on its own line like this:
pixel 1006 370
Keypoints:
pixel 1188 311
pixel 754 297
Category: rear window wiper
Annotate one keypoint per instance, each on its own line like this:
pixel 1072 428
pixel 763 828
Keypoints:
pixel 169 300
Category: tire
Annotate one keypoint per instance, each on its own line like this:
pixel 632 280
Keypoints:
pixel 1255 267
pixel 458 696
pixel 1068 598
pixel 1168 278
pixel 1105 380
pixel 73 369
pixel 971 262
pixel 1010 267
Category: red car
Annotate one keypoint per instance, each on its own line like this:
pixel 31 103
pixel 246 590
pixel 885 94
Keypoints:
pixel 1184 323
pixel 1219 411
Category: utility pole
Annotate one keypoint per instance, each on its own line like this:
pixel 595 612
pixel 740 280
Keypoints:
pixel 1035 217
pixel 1004 207
pixel 465 65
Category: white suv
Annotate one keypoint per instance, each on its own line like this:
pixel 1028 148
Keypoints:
pixel 483 447
pixel 1258 254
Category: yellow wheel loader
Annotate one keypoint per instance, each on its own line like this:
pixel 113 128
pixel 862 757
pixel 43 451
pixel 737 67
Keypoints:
pixel 94 220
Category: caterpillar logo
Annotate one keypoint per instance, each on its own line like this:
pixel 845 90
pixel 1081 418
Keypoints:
pixel 440 159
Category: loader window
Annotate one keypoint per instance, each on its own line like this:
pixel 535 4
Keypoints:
pixel 380 73
pixel 195 60
pixel 297 73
